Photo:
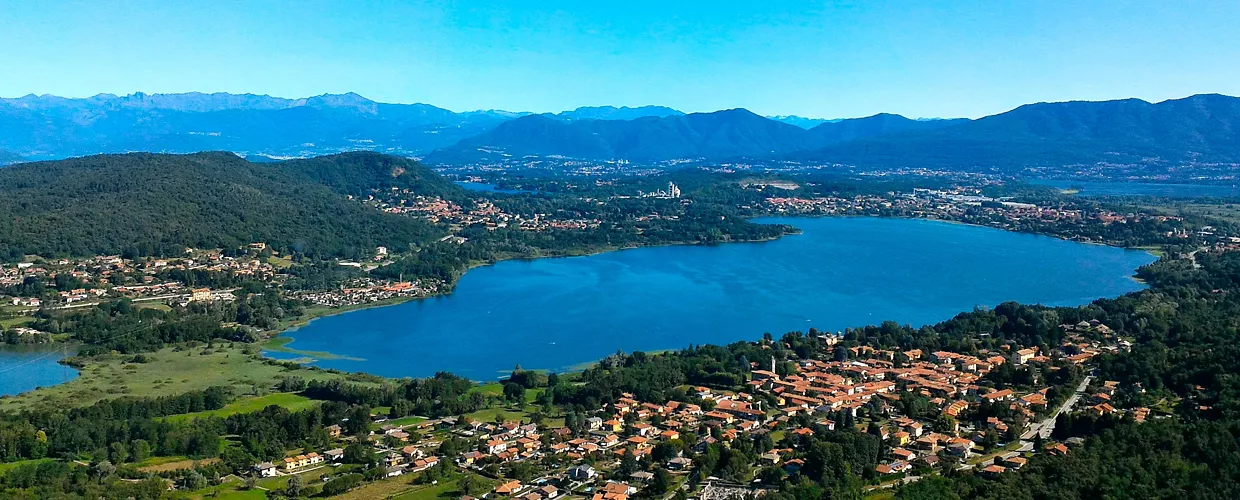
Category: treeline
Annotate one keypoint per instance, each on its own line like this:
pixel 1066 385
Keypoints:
pixel 442 395
pixel 113 434
pixel 119 325
pixel 119 430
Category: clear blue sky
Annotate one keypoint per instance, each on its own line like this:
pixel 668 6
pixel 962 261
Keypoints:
pixel 820 59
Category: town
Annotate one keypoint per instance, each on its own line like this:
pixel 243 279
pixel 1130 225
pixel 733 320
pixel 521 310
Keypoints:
pixel 931 412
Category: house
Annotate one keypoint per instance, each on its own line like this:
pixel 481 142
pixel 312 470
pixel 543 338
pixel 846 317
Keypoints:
pixel 495 446
pixel 266 469
pixel 393 471
pixel 642 429
pixel 618 488
pixel 679 463
pixel 334 431
pixel 290 463
pixel 334 455
pixel 582 473
pixel 314 458
pixel 508 488
pixel 423 464
pixel 200 295
pixel 594 423
pixel 993 470
pixel 1024 355
pixel 642 476
pixel 903 454
pixel 1015 463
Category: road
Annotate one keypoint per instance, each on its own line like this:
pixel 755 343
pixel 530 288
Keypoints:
pixel 1048 424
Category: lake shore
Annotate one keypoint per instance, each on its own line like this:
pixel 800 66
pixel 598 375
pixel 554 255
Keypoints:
pixel 465 323
pixel 279 340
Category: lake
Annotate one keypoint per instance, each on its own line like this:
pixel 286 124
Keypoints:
pixel 841 272
pixel 1089 188
pixel 24 368
pixel 491 188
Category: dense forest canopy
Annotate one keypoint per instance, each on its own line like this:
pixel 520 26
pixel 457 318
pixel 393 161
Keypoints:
pixel 157 204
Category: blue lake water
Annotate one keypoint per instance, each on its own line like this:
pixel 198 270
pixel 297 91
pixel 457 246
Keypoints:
pixel 1089 188
pixel 482 186
pixel 24 368
pixel 842 272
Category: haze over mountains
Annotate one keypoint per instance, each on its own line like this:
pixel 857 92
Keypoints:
pixel 1201 128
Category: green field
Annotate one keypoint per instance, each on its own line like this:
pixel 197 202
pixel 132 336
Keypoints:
pixel 403 421
pixel 399 488
pixel 292 402
pixel 168 372
pixel 5 467
pixel 496 389
pixel 7 323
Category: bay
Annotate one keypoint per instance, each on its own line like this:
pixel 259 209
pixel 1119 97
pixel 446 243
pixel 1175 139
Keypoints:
pixel 559 313
pixel 28 367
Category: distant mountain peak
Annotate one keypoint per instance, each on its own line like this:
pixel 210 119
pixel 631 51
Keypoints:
pixel 616 113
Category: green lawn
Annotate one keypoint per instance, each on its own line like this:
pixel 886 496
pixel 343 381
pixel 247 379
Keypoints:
pixel 6 467
pixel 511 414
pixel 492 389
pixel 229 491
pixel 496 389
pixel 7 323
pixel 402 421
pixel 400 488
pixel 169 372
pixel 288 400
pixel 444 489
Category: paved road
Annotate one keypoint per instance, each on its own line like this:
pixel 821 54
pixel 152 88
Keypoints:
pixel 1048 424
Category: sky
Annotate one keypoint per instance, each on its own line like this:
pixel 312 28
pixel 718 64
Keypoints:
pixel 816 59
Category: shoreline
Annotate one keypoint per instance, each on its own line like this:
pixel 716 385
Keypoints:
pixel 279 341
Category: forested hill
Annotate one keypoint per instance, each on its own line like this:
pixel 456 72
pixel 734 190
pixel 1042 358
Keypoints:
pixel 1201 128
pixel 158 204
pixel 357 173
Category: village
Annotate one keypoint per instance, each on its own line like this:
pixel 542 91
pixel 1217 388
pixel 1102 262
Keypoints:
pixel 628 446
pixel 483 213
pixel 968 205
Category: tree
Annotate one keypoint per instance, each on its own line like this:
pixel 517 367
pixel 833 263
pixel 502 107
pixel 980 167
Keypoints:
pixel 472 485
pixel 358 421
pixel 514 392
pixel 360 453
pixel 118 452
pixel 141 450
pixel 628 465
pixel 195 481
pixel 296 485
pixel 342 484
pixel 661 483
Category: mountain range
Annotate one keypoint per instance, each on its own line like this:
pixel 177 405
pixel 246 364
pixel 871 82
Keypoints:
pixel 1200 128
pixel 734 133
